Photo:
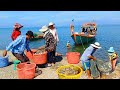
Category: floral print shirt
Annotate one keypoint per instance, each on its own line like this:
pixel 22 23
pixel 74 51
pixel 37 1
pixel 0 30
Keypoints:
pixel 50 41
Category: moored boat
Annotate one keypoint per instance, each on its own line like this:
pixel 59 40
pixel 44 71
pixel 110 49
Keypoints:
pixel 37 36
pixel 86 35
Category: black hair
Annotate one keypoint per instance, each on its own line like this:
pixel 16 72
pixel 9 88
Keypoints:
pixel 83 29
pixel 30 33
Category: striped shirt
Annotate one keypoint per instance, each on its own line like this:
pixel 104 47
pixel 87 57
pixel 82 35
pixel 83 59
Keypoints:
pixel 19 45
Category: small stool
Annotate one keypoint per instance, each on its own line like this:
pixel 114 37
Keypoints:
pixel 15 63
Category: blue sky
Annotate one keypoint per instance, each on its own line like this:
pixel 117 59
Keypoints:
pixel 60 18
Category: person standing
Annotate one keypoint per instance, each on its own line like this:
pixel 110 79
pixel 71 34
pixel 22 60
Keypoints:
pixel 72 29
pixel 50 45
pixel 16 32
pixel 53 30
pixel 87 56
pixel 18 46
pixel 113 57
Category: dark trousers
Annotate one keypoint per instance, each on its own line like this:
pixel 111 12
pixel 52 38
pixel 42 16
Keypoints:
pixel 21 57
pixel 51 57
pixel 54 53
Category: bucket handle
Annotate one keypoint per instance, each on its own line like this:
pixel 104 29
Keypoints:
pixel 28 63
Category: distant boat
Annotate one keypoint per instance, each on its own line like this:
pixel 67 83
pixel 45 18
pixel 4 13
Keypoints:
pixel 37 36
pixel 86 35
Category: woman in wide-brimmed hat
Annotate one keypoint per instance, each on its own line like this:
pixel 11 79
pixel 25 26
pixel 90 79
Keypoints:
pixel 113 56
pixel 50 45
pixel 53 30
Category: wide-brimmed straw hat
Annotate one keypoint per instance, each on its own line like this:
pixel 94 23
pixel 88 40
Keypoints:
pixel 44 28
pixel 51 23
pixel 96 45
pixel 111 50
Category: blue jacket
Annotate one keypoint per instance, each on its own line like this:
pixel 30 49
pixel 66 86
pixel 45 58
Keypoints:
pixel 19 45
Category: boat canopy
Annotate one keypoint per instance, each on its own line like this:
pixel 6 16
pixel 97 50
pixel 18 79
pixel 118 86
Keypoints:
pixel 89 25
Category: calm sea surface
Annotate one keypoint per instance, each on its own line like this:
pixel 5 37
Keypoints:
pixel 107 36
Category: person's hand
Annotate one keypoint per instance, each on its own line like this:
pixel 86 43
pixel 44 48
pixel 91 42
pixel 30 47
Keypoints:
pixel 4 53
pixel 94 58
pixel 33 52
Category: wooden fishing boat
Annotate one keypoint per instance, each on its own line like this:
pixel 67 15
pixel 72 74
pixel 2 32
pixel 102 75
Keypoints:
pixel 86 35
pixel 37 36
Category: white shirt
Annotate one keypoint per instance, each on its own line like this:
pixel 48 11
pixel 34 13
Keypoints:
pixel 54 32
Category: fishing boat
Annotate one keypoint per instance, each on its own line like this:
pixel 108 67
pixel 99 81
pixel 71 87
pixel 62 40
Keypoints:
pixel 87 34
pixel 37 36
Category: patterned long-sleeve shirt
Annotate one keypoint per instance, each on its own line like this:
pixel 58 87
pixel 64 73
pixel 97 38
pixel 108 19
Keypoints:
pixel 54 32
pixel 19 45
pixel 50 41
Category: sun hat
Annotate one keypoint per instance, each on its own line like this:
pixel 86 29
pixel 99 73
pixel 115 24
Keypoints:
pixel 51 23
pixel 17 25
pixel 96 45
pixel 44 28
pixel 111 50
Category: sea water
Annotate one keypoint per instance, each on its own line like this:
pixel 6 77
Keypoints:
pixel 107 36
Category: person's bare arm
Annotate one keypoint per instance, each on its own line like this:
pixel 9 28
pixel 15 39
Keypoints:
pixel 92 57
pixel 4 53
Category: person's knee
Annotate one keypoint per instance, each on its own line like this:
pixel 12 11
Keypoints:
pixel 19 57
pixel 23 59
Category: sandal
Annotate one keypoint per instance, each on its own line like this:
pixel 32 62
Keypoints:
pixel 48 65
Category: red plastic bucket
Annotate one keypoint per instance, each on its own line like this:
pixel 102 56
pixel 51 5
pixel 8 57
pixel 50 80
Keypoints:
pixel 29 55
pixel 37 58
pixel 26 71
pixel 73 57
pixel 40 58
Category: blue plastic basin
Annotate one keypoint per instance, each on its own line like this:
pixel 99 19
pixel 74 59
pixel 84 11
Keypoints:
pixel 4 61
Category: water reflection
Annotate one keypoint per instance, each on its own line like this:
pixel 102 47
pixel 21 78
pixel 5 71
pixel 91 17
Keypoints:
pixel 80 48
